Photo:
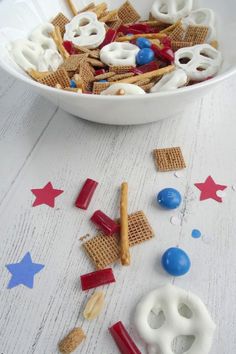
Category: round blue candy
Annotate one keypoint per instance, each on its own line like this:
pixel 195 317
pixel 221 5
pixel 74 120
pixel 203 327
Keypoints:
pixel 143 43
pixel 176 262
pixel 73 84
pixel 169 198
pixel 196 233
pixel 145 56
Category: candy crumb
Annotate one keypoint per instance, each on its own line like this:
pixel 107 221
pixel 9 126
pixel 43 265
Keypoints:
pixel 72 341
pixel 94 306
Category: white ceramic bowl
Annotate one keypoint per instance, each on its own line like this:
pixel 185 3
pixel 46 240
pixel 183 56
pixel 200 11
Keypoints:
pixel 19 17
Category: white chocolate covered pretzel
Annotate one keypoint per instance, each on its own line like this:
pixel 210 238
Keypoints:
pixel 85 30
pixel 119 54
pixel 128 89
pixel 170 11
pixel 26 53
pixel 171 81
pixel 169 300
pixel 41 35
pixel 199 62
pixel 202 17
pixel 50 60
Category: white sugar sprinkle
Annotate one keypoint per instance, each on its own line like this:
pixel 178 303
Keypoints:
pixel 175 220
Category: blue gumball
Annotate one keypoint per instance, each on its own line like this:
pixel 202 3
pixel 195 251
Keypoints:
pixel 169 198
pixel 73 84
pixel 176 262
pixel 145 56
pixel 143 43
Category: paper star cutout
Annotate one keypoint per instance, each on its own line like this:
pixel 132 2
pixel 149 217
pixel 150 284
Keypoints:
pixel 23 272
pixel 46 195
pixel 209 188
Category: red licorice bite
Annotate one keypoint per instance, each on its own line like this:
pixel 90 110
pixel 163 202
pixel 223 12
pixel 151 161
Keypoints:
pixel 98 278
pixel 123 340
pixel 99 72
pixel 166 53
pixel 144 28
pixel 109 38
pixel 128 30
pixel 146 68
pixel 166 41
pixel 69 47
pixel 84 198
pixel 106 224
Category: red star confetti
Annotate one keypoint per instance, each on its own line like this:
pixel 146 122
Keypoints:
pixel 46 195
pixel 209 188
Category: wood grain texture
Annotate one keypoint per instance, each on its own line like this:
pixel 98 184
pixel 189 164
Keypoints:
pixel 38 144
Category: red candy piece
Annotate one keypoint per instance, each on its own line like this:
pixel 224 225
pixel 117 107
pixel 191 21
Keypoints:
pixel 99 72
pixel 69 47
pixel 106 224
pixel 137 28
pixel 145 68
pixel 123 340
pixel 140 27
pixel 86 193
pixel 109 38
pixel 166 41
pixel 166 53
pixel 128 30
pixel 98 278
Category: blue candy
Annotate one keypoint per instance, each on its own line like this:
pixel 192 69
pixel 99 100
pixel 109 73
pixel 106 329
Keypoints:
pixel 143 43
pixel 145 56
pixel 196 233
pixel 73 84
pixel 102 80
pixel 176 262
pixel 169 198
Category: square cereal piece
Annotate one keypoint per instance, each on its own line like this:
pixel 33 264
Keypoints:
pixel 127 13
pixel 169 159
pixel 87 75
pixel 104 250
pixel 74 61
pixel 121 69
pixel 98 87
pixel 114 24
pixel 196 34
pixel 61 21
pixel 58 77
pixel 178 33
pixel 176 45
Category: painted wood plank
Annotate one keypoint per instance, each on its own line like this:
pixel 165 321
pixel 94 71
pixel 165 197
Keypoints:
pixel 69 151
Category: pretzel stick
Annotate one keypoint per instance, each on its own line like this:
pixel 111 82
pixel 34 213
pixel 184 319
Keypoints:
pixel 148 75
pixel 152 23
pixel 214 44
pixel 89 7
pixel 72 7
pixel 56 35
pixel 99 9
pixel 107 17
pixel 171 28
pixel 124 237
pixel 157 43
pixel 145 35
pixel 37 75
pixel 120 92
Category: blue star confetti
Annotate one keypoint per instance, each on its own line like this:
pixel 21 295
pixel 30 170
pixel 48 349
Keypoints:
pixel 23 272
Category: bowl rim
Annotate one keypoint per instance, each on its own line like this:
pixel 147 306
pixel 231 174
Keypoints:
pixel 218 78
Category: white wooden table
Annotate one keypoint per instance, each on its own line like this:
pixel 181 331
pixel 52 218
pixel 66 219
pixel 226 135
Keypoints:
pixel 40 143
